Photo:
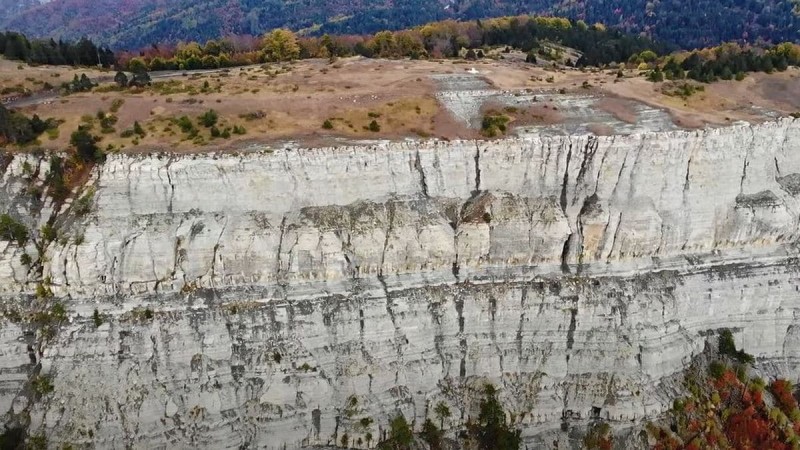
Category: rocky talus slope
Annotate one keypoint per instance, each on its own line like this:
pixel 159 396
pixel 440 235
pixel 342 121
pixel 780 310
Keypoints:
pixel 278 298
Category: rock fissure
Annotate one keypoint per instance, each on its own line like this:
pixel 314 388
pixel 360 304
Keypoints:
pixel 422 180
pixel 279 269
pixel 477 169
pixel 216 248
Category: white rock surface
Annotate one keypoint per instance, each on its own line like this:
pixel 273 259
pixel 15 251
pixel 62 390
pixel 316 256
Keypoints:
pixel 574 272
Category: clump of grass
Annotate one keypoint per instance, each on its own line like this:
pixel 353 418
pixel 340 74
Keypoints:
pixel 494 124
pixel 116 104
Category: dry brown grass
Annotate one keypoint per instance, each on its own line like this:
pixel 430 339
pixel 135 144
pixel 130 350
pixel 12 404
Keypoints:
pixel 281 102
pixel 720 102
pixel 15 74
pixel 275 102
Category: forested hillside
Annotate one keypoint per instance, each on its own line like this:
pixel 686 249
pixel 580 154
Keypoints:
pixel 140 23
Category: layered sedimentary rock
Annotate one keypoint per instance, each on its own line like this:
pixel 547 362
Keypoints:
pixel 296 292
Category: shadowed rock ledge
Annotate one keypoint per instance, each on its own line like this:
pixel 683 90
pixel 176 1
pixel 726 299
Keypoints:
pixel 579 274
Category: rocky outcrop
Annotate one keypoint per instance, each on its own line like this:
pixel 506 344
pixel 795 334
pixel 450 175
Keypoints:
pixel 279 297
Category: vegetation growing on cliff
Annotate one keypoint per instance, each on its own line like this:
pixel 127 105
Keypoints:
pixel 491 431
pixel 728 408
pixel 13 230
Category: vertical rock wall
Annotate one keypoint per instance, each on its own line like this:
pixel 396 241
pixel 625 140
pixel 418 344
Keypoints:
pixel 247 300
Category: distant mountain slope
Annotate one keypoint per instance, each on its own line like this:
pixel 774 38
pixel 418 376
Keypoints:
pixel 10 8
pixel 138 23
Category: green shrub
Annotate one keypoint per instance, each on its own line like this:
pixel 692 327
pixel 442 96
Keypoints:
pixel 37 442
pixel 42 385
pixel 43 291
pixel 431 434
pixel 86 145
pixel 400 435
pixel 49 233
pixel 58 312
pixel 717 369
pixel 655 75
pixel 209 118
pixel 491 430
pixel 185 124
pixel 138 129
pixel 328 125
pixel 374 127
pixel 12 230
pixel 728 348
pixel 96 318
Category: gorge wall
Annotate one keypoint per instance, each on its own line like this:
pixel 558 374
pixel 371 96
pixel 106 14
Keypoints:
pixel 278 298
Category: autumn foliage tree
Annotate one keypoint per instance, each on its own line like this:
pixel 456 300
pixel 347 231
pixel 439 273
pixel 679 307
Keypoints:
pixel 281 45
pixel 726 408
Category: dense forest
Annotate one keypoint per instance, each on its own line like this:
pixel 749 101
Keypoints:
pixel 598 46
pixel 139 23
pixel 726 62
pixel 18 47
pixel 440 40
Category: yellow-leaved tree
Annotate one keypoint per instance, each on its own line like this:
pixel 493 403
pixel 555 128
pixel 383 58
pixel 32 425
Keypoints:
pixel 280 45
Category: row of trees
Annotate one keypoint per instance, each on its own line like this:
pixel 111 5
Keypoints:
pixel 491 430
pixel 726 62
pixel 16 46
pixel 440 39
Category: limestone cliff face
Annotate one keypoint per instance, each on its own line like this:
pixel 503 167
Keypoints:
pixel 577 273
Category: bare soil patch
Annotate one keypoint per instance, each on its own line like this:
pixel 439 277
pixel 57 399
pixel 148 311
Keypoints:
pixel 600 129
pixel 621 109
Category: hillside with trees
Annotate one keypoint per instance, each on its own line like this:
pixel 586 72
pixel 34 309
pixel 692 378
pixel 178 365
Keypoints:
pixel 17 47
pixel 598 44
pixel 140 23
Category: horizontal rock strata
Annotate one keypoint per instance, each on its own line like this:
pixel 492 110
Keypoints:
pixel 576 273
